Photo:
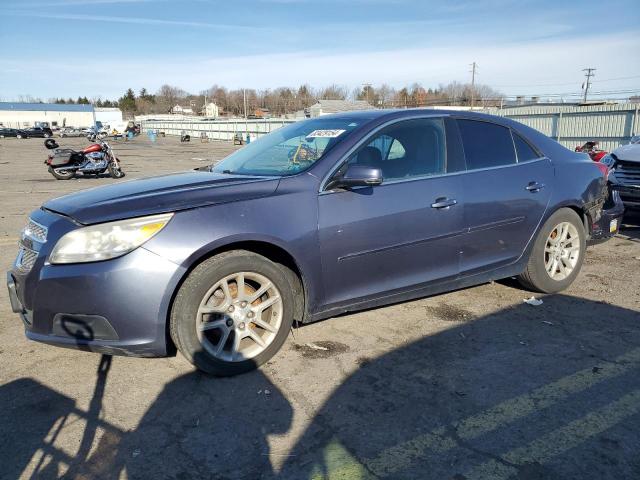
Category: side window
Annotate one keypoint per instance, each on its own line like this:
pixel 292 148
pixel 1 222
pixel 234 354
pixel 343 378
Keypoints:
pixel 412 148
pixel 523 149
pixel 486 144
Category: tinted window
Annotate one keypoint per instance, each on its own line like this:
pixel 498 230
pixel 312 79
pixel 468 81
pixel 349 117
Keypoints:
pixel 486 144
pixel 412 148
pixel 523 149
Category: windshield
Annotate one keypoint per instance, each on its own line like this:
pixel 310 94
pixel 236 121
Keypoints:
pixel 288 150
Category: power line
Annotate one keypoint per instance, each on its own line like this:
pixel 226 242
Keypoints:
pixel 602 80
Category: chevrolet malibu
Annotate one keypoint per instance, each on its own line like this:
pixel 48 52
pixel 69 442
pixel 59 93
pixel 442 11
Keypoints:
pixel 318 218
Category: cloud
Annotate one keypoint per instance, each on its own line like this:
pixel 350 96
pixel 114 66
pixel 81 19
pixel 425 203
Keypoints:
pixel 129 20
pixel 75 3
pixel 546 61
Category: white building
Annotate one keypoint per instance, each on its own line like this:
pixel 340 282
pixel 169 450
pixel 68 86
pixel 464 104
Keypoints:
pixel 211 110
pixel 23 115
pixel 179 110
pixel 108 116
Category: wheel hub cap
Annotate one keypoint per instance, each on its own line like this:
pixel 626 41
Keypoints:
pixel 562 251
pixel 239 317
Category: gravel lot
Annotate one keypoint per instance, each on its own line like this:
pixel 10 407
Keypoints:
pixel 471 384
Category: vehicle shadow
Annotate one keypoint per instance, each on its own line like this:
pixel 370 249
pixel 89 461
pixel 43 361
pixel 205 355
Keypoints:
pixel 631 225
pixel 197 427
pixel 527 393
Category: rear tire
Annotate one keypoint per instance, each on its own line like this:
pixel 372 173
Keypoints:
pixel 65 175
pixel 215 326
pixel 557 254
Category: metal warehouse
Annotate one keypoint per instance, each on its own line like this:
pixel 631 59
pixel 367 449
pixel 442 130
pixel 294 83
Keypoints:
pixel 20 115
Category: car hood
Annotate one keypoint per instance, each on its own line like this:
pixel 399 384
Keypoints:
pixel 167 193
pixel 630 153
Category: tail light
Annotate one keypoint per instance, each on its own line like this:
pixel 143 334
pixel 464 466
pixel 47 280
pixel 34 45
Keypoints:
pixel 48 160
pixel 604 169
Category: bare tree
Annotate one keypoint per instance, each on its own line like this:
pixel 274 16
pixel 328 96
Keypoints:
pixel 333 92
pixel 168 96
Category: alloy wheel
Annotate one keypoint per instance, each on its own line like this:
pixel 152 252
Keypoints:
pixel 562 251
pixel 239 317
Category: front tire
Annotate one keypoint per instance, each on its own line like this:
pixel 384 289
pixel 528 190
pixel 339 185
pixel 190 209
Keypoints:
pixel 557 254
pixel 19 135
pixel 232 313
pixel 115 171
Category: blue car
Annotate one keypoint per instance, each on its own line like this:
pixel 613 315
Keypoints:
pixel 321 217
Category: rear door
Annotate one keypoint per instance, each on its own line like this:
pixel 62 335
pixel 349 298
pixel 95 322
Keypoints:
pixel 508 187
pixel 399 234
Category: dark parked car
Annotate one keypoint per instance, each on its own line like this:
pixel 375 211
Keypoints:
pixel 318 218
pixel 38 132
pixel 624 162
pixel 10 132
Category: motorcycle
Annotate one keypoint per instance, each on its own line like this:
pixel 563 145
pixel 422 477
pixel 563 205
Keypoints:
pixel 591 148
pixel 97 158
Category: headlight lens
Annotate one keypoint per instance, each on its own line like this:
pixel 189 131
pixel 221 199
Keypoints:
pixel 107 240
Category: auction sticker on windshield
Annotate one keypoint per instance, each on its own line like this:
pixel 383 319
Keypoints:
pixel 325 133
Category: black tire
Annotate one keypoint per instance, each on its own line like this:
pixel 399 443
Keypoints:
pixel 46 135
pixel 183 321
pixel 68 175
pixel 535 276
pixel 19 135
pixel 115 172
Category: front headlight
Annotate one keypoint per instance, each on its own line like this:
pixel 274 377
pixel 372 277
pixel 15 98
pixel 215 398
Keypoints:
pixel 107 240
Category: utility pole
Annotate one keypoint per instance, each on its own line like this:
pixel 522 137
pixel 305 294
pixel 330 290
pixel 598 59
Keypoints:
pixel 367 87
pixel 589 73
pixel 474 66
pixel 244 99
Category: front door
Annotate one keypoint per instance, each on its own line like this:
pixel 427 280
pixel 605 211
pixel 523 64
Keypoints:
pixel 403 233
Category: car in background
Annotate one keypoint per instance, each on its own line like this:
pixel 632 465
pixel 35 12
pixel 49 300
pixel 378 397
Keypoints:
pixel 35 132
pixel 624 176
pixel 635 139
pixel 11 132
pixel 321 217
pixel 71 132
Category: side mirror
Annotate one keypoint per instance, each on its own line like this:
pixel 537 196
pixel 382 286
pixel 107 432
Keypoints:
pixel 359 176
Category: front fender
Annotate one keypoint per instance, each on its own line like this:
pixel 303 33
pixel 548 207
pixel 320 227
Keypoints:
pixel 194 235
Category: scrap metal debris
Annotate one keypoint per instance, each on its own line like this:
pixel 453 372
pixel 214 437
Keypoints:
pixel 533 301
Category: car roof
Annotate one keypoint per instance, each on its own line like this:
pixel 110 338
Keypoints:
pixel 411 112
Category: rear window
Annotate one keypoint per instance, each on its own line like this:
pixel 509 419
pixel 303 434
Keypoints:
pixel 523 149
pixel 486 144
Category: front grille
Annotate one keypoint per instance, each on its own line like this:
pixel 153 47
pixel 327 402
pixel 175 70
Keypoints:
pixel 35 231
pixel 33 235
pixel 26 259
pixel 627 173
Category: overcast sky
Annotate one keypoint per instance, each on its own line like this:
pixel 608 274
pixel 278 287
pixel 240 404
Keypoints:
pixel 102 47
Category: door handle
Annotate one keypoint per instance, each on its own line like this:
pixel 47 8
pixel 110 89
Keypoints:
pixel 444 202
pixel 534 187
